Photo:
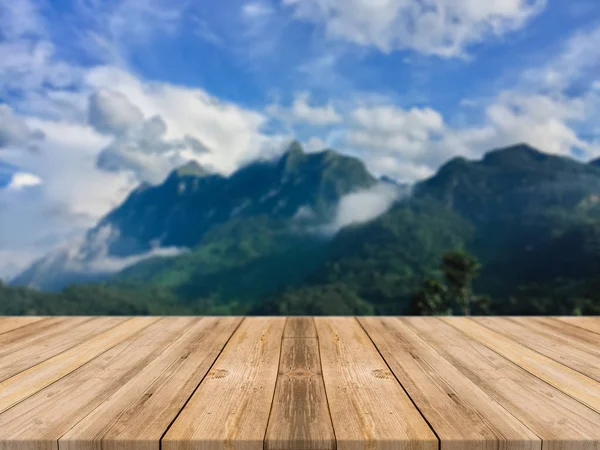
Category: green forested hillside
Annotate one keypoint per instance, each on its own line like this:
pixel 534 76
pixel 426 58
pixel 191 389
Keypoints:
pixel 530 220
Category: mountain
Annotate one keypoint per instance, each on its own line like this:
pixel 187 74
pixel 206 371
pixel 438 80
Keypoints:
pixel 187 210
pixel 512 182
pixel 260 241
pixel 531 218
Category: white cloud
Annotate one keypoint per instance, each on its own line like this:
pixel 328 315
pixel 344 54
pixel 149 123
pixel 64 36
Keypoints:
pixel 301 111
pixel 144 152
pixel 314 144
pixel 434 27
pixel 411 144
pixel 20 18
pixel 22 180
pixel 86 258
pixel 363 206
pixel 13 261
pixel 14 131
pixel 577 59
pixel 110 112
pixel 232 133
pixel 181 124
pixel 256 9
pixel 91 256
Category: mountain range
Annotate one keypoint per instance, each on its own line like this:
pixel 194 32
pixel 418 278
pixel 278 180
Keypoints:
pixel 316 233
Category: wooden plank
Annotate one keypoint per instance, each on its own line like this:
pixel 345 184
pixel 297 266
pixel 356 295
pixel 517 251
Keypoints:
pixel 301 327
pixel 558 375
pixel 12 323
pixel 562 422
pixel 576 336
pixel 20 336
pixel 461 413
pixel 230 409
pixel 587 323
pixel 548 344
pixel 369 409
pixel 300 415
pixel 141 411
pixel 40 420
pixel 16 358
pixel 28 382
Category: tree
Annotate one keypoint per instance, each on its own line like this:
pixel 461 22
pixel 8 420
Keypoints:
pixel 455 294
pixel 432 299
pixel 460 269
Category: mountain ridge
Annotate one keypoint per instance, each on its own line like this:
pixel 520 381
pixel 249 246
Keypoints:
pixel 531 218
pixel 191 201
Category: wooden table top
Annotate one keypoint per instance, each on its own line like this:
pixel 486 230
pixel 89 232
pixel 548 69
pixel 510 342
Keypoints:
pixel 168 383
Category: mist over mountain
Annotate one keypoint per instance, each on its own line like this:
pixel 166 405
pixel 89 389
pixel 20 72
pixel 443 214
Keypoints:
pixel 316 233
pixel 301 190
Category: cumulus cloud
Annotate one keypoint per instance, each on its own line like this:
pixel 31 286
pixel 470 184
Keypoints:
pixel 301 111
pixel 86 172
pixel 14 131
pixel 411 144
pixel 434 27
pixel 363 206
pixel 232 133
pixel 110 112
pixel 144 152
pixel 22 180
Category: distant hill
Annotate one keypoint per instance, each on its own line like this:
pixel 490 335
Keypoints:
pixel 255 241
pixel 216 218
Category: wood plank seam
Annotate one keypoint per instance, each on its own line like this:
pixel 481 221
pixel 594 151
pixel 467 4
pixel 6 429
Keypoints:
pixel 74 368
pixel 528 369
pixel 298 421
pixel 160 441
pixel 81 419
pixel 31 320
pixel 275 390
pixel 577 324
pixel 525 344
pixel 403 388
pixel 325 387
pixel 69 346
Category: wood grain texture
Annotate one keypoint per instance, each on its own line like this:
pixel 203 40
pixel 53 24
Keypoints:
pixel 16 358
pixel 369 409
pixel 299 383
pixel 562 422
pixel 300 415
pixel 11 323
pixel 565 379
pixel 546 343
pixel 21 336
pixel 138 414
pixel 587 323
pixel 40 420
pixel 578 337
pixel 300 327
pixel 462 414
pixel 28 382
pixel 231 407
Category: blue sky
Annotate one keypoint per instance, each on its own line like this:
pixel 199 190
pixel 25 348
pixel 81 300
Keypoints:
pixel 99 95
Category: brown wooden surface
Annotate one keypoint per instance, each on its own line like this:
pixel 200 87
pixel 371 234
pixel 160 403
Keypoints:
pixel 325 383
pixel 300 414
